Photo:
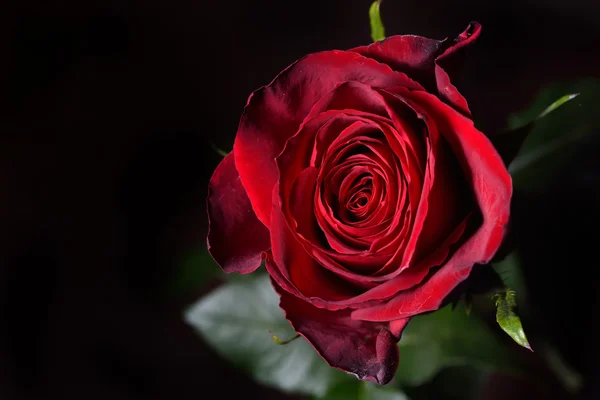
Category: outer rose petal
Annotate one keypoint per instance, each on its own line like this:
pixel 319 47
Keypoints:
pixel 298 267
pixel 274 113
pixel 411 54
pixel 447 90
pixel 492 187
pixel 366 349
pixel 450 199
pixel 236 238
pixel 425 60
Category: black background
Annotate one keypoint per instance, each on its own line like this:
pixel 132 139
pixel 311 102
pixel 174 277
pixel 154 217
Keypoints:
pixel 106 109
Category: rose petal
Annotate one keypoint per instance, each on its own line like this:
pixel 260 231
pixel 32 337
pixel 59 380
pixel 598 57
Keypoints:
pixel 365 349
pixel 333 301
pixel 337 149
pixel 446 197
pixel 321 130
pixel 446 89
pixel 429 61
pixel 329 126
pixel 274 113
pixel 339 235
pixel 411 54
pixel 303 218
pixel 355 95
pixel 410 149
pixel 298 267
pixel 307 272
pixel 450 200
pixel 419 204
pixel 236 238
pixel 397 326
pixel 491 184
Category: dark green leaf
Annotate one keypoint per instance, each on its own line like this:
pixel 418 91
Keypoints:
pixel 236 319
pixel 557 104
pixel 360 390
pixel 196 269
pixel 377 29
pixel 560 127
pixel 508 319
pixel 447 338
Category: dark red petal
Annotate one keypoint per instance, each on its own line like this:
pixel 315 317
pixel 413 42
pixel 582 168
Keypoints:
pixel 491 185
pixel 449 198
pixel 274 113
pixel 481 163
pixel 324 299
pixel 365 349
pixel 296 264
pixel 430 62
pixel 327 127
pixel 411 54
pixel 419 203
pixel 388 285
pixel 445 63
pixel 305 270
pixel 411 129
pixel 278 276
pixel 397 326
pixel 356 96
pixel 236 238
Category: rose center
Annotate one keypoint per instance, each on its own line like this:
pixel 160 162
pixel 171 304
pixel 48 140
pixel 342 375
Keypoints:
pixel 356 204
pixel 354 187
pixel 359 200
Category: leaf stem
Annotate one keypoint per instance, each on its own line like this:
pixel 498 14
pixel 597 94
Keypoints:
pixel 282 342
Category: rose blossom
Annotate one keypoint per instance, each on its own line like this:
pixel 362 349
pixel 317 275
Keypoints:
pixel 360 179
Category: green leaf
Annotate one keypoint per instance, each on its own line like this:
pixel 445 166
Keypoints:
pixel 194 270
pixel 560 127
pixel 557 104
pixel 236 319
pixel 507 318
pixel 447 338
pixel 360 390
pixel 377 29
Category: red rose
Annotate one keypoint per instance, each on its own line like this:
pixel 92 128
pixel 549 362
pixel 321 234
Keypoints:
pixel 359 177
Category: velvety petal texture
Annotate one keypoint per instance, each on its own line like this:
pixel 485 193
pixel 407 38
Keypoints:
pixel 236 238
pixel 274 113
pixel 429 61
pixel 365 349
pixel 360 179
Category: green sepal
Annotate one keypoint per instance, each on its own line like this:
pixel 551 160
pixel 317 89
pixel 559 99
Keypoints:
pixel 377 29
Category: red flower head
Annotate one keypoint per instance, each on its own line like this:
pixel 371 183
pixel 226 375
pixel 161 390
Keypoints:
pixel 360 178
